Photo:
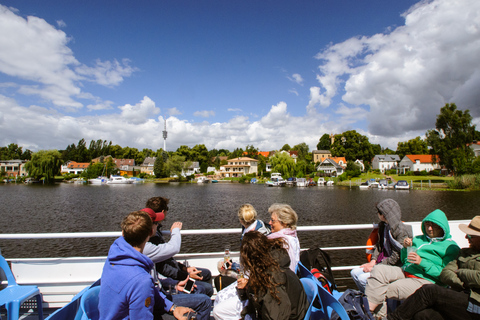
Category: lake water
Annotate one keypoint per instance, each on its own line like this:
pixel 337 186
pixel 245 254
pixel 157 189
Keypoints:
pixel 89 208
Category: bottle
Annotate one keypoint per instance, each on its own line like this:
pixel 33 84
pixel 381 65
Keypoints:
pixel 226 256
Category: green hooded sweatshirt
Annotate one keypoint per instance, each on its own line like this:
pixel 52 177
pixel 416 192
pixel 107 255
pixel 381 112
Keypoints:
pixel 436 253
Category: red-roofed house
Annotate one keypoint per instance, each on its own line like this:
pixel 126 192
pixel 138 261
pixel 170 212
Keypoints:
pixel 74 167
pixel 266 154
pixel 419 162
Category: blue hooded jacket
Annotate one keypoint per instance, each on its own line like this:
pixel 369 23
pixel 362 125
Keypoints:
pixel 127 288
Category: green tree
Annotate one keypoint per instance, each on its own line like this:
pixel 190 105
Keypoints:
pixel 282 163
pixel 175 165
pixel 352 145
pixel 185 152
pixel 46 164
pixel 13 151
pixel 252 152
pixel 199 153
pixel 353 170
pixel 303 150
pixel 159 167
pixel 412 146
pixel 286 147
pixel 450 138
pixel 324 142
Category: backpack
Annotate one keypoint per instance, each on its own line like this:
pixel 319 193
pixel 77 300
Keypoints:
pixel 355 304
pixel 318 262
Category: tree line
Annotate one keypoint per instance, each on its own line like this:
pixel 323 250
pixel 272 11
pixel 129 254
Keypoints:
pixel 449 141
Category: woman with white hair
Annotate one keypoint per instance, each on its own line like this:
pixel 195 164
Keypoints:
pixel 283 221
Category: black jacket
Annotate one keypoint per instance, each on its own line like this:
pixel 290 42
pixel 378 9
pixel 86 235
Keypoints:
pixel 293 300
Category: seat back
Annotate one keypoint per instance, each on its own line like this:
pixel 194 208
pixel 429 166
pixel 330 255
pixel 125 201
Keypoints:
pixel 7 271
pixel 329 303
pixel 89 303
pixel 311 289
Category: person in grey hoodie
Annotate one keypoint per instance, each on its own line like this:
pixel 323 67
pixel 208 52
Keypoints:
pixel 391 233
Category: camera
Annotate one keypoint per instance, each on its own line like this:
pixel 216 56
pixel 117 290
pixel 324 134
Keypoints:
pixel 189 285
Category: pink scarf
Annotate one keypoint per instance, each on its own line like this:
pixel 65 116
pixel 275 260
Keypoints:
pixel 283 232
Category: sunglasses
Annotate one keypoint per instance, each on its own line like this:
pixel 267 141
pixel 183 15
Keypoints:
pixel 469 236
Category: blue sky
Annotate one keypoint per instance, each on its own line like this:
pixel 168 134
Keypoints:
pixel 229 74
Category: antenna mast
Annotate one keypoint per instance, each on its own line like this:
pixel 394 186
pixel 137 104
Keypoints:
pixel 165 135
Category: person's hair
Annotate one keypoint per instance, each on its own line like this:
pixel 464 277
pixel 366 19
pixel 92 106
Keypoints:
pixel 157 204
pixel 258 263
pixel 286 215
pixel 136 228
pixel 247 213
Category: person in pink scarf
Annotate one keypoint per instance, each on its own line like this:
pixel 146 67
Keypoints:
pixel 283 222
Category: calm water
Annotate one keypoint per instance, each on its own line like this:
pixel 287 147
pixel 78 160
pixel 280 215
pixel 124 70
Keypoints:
pixel 88 208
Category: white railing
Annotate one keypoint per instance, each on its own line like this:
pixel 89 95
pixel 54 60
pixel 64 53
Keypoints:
pixel 59 279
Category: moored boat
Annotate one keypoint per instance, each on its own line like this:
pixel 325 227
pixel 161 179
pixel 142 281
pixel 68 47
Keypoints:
pixel 98 180
pixel 118 180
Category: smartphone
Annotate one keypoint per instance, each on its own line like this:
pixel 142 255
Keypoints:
pixel 189 286
pixel 191 315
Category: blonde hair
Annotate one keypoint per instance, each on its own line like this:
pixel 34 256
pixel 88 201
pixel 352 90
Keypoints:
pixel 286 215
pixel 247 213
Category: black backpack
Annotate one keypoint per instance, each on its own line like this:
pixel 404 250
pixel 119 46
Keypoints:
pixel 316 258
pixel 355 304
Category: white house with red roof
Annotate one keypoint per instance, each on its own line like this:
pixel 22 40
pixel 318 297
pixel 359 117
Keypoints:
pixel 74 167
pixel 419 162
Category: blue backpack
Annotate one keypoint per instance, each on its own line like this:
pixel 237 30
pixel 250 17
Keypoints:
pixel 356 305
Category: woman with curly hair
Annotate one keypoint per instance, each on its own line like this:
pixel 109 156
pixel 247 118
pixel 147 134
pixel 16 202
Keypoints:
pixel 272 289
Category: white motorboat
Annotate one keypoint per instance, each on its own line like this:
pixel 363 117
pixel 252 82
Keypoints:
pixel 321 181
pixel 369 184
pixel 118 180
pixel 98 180
pixel 203 179
pixel 276 180
pixel 302 182
pixel 402 185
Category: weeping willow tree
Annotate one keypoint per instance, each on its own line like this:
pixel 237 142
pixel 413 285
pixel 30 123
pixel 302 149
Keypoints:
pixel 283 164
pixel 44 163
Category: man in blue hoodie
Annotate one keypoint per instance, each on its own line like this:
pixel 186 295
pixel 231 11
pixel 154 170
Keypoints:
pixel 127 288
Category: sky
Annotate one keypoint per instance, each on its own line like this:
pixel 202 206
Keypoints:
pixel 228 74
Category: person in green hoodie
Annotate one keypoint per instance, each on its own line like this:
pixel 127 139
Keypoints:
pixel 462 300
pixel 432 251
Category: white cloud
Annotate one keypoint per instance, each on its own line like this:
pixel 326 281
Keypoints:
pixel 61 24
pixel 234 110
pixel 294 91
pixel 104 105
pixel 140 112
pixel 297 78
pixel 204 113
pixel 406 76
pixel 37 52
pixel 173 112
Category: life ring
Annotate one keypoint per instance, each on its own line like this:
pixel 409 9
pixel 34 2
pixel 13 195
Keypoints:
pixel 371 242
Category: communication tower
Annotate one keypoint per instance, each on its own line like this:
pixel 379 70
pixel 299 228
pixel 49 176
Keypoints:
pixel 165 135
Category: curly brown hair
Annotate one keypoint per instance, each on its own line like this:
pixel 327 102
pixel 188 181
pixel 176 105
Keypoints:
pixel 258 263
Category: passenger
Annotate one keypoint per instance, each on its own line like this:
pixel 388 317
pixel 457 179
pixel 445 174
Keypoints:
pixel 272 289
pixel 170 267
pixel 434 249
pixel 247 215
pixel 463 276
pixel 127 288
pixel 197 300
pixel 391 233
pixel 283 221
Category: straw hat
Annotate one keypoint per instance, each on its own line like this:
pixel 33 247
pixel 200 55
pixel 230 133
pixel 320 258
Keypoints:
pixel 473 228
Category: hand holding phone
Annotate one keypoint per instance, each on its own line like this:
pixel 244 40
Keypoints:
pixel 187 284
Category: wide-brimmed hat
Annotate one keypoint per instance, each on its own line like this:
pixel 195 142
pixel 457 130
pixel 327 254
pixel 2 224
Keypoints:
pixel 473 228
pixel 156 216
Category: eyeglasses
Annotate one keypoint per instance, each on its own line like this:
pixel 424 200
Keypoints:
pixel 469 236
pixel 273 220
